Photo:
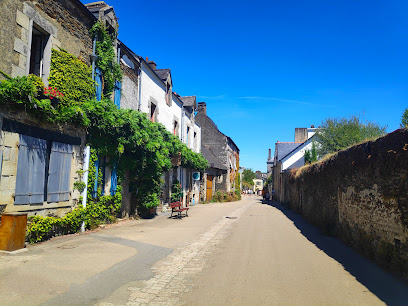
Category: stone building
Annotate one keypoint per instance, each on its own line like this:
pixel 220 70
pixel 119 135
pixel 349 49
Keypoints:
pixel 222 154
pixel 39 161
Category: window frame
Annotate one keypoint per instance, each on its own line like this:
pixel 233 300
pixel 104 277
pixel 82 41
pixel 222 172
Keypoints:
pixel 45 62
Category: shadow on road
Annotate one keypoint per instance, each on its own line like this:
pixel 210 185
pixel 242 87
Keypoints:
pixel 387 287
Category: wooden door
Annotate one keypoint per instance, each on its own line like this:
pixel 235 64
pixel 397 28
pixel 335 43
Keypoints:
pixel 209 187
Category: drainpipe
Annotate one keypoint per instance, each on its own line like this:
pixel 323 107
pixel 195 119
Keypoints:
pixel 87 155
pixel 140 85
pixel 93 58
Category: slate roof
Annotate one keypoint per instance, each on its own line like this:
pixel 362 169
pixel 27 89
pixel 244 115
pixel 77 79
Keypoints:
pixel 299 163
pixel 212 159
pixel 284 148
pixel 189 101
pixel 163 73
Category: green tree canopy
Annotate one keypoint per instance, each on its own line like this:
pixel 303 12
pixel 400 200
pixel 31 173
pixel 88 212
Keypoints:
pixel 247 177
pixel 336 134
pixel 404 118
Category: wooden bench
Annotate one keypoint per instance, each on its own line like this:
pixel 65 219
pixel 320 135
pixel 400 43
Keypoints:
pixel 176 207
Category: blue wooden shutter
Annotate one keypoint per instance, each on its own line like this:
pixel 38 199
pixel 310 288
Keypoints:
pixel 59 172
pixel 30 170
pixel 95 189
pixel 98 81
pixel 114 179
pixel 103 175
pixel 117 93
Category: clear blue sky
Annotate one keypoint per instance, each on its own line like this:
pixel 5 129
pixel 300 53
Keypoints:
pixel 267 67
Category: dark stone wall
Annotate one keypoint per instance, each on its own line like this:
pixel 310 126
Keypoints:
pixel 74 19
pixel 361 195
pixel 70 19
pixel 211 136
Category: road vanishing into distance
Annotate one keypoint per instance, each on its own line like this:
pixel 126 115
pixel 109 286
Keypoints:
pixel 238 253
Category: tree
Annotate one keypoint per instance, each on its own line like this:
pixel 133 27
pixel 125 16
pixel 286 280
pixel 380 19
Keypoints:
pixel 404 118
pixel 336 134
pixel 311 156
pixel 247 178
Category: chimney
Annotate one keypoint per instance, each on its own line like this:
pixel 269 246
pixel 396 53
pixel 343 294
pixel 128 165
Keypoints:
pixel 300 134
pixel 269 155
pixel 202 106
pixel 152 64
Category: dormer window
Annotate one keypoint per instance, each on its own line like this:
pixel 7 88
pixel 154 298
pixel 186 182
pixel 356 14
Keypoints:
pixel 168 93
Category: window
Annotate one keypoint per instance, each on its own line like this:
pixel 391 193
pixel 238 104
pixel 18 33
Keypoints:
pixel 188 132
pixel 43 171
pixel 168 94
pixel 195 141
pixel 153 112
pixel 39 42
pixel 175 128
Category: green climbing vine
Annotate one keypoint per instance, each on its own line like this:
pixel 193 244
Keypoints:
pixel 141 148
pixel 106 60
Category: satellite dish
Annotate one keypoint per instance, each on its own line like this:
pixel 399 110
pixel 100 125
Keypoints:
pixel 196 176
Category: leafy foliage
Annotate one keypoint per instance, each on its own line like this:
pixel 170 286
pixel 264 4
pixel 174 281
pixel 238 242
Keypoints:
pixel 37 82
pixel 176 191
pixel 247 178
pixel 105 210
pixel 237 180
pixel 71 77
pixel 404 118
pixel 221 196
pixel 311 156
pixel 106 58
pixel 336 134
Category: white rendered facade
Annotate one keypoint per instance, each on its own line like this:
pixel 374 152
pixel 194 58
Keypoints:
pixel 176 119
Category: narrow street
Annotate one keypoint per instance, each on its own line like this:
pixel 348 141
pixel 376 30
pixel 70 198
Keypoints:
pixel 240 253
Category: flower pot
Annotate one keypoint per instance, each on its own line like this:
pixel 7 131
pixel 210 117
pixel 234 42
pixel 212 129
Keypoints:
pixel 54 102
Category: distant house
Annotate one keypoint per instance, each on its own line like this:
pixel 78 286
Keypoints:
pixel 258 184
pixel 290 155
pixel 222 154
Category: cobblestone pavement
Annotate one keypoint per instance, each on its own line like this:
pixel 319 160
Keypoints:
pixel 172 274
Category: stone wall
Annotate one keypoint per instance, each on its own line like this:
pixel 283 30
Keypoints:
pixel 67 22
pixel 360 195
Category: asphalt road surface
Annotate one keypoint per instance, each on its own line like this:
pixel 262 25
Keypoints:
pixel 273 257
pixel 240 253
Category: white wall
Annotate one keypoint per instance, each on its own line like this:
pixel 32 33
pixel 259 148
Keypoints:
pixel 194 128
pixel 152 89
pixel 296 155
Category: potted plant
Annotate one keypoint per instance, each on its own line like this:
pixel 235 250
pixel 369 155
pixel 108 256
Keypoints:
pixel 53 94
